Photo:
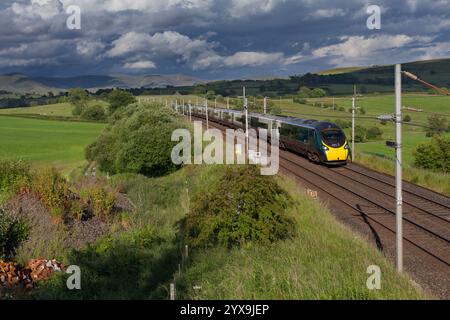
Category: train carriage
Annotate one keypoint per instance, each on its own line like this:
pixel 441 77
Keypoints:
pixel 320 141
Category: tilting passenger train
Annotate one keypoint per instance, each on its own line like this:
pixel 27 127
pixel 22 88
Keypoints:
pixel 320 141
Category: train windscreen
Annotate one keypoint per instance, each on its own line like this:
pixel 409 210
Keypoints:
pixel 333 137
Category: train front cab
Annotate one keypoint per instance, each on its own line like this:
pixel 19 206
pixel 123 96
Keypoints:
pixel 334 146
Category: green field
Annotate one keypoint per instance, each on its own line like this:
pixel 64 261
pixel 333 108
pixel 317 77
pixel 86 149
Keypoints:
pixel 376 105
pixel 51 110
pixel 45 142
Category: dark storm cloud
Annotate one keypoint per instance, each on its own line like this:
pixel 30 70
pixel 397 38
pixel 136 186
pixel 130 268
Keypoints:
pixel 216 38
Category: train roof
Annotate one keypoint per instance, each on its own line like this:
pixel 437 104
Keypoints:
pixel 310 123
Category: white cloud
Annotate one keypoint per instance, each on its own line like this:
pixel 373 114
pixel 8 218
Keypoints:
pixel 359 47
pixel 327 13
pixel 239 59
pixel 168 43
pixel 142 64
pixel 90 49
pixel 242 8
pixel 294 59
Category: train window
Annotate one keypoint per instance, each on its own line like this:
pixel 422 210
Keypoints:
pixel 289 131
pixel 333 137
pixel 303 135
pixel 254 122
pixel 226 116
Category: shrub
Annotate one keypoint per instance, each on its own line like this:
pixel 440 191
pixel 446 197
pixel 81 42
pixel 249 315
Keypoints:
pixel 239 208
pixel 139 142
pixel 360 134
pixel 344 124
pixel 300 100
pixel 102 201
pixel 53 191
pixel 119 98
pixel 374 133
pixel 407 118
pixel 79 99
pixel 12 233
pixel 13 175
pixel 95 112
pixel 434 155
pixel 304 92
pixel 437 124
pixel 342 109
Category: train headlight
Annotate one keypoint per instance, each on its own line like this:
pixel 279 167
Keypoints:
pixel 325 148
pixel 347 146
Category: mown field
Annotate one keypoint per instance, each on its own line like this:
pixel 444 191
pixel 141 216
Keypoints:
pixel 46 142
pixel 52 110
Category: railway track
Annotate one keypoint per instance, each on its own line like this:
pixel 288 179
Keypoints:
pixel 358 193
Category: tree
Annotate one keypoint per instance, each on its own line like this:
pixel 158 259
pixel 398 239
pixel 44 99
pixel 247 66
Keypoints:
pixel 119 98
pixel 407 118
pixel 434 154
pixel 360 134
pixel 210 95
pixel 318 93
pixel 304 92
pixel 436 125
pixel 139 141
pixel 79 99
pixel 95 112
pixel 374 133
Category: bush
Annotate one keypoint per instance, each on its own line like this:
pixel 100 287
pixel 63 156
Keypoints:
pixel 79 99
pixel 407 118
pixel 300 100
pixel 53 190
pixel 437 125
pixel 13 175
pixel 95 112
pixel 344 124
pixel 434 155
pixel 360 134
pixel 100 201
pixel 374 133
pixel 119 98
pixel 342 109
pixel 239 208
pixel 12 233
pixel 139 142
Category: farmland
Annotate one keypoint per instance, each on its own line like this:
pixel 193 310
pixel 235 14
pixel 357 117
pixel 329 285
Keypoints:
pixel 46 142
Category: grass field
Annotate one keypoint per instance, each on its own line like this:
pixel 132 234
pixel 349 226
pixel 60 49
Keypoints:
pixel 59 109
pixel 45 142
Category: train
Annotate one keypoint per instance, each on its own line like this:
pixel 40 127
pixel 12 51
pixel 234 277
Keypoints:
pixel 320 141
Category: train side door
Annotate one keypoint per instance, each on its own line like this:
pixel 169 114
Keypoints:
pixel 303 141
pixel 311 140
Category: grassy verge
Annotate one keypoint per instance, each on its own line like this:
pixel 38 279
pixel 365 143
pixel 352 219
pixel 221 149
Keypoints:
pixel 324 261
pixel 437 181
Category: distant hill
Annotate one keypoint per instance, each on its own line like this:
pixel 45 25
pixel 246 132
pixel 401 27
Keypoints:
pixel 20 83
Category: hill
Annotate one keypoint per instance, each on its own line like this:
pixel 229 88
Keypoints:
pixel 20 83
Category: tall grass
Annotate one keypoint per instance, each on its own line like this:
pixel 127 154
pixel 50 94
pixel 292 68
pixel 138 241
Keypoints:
pixel 437 181
pixel 324 261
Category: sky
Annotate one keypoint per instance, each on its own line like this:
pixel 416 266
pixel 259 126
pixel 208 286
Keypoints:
pixel 216 39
